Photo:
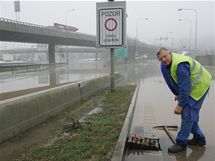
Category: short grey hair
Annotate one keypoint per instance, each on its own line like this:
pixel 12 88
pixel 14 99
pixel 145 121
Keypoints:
pixel 163 49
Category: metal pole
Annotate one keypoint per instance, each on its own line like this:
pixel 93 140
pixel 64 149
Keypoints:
pixel 18 17
pixel 170 38
pixel 196 31
pixel 188 20
pixel 136 37
pixel 190 35
pixel 66 15
pixel 180 9
pixel 135 54
pixel 112 76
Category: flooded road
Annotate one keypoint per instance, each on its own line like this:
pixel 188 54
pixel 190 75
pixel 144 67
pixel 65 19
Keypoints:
pixel 75 71
pixel 155 106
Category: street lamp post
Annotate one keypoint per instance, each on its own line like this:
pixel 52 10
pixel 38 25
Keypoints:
pixel 187 20
pixel 194 10
pixel 66 15
pixel 138 20
pixel 171 38
pixel 17 9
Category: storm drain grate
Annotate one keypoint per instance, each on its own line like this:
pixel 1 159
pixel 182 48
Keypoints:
pixel 144 144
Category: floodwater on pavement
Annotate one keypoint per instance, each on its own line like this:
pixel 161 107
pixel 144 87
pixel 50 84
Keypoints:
pixel 75 71
pixel 155 106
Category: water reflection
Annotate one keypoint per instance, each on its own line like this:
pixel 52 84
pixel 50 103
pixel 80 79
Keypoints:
pixel 155 94
pixel 192 154
pixel 76 71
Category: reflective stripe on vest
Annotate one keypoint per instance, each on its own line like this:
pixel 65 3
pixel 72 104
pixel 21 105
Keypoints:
pixel 198 75
pixel 200 78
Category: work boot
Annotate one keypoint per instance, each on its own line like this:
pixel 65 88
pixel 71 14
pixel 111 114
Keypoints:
pixel 197 142
pixel 176 148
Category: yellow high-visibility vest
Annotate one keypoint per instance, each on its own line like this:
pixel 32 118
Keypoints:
pixel 200 78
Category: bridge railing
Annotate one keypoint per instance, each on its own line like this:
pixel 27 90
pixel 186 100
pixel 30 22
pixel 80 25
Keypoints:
pixel 20 22
pixel 31 25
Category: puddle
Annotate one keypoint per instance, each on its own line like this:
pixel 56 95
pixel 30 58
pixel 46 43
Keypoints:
pixel 94 111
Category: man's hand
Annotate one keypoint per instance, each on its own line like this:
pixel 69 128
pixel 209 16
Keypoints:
pixel 178 110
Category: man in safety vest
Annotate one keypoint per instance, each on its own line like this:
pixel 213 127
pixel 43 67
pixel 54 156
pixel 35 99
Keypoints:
pixel 189 81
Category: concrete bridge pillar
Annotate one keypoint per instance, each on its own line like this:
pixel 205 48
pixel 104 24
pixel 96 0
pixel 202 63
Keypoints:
pixel 52 66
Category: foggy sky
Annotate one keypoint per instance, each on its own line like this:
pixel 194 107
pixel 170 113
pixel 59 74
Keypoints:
pixel 163 18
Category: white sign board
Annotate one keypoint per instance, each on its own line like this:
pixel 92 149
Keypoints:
pixel 111 24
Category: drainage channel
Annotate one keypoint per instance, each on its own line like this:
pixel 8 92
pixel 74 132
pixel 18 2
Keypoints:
pixel 151 110
pixel 142 142
pixel 137 140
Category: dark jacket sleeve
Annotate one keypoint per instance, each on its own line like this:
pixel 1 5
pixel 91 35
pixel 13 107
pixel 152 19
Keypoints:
pixel 184 83
pixel 168 79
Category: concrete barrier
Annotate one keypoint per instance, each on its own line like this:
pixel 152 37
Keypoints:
pixel 21 113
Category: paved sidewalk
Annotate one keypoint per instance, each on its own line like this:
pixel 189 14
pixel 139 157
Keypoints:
pixel 154 106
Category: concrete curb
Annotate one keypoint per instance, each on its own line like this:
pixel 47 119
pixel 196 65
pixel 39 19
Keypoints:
pixel 118 153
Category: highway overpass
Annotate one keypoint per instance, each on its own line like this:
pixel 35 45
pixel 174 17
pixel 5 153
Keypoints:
pixel 16 31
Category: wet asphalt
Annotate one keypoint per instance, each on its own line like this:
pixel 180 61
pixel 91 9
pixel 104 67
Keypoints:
pixel 155 106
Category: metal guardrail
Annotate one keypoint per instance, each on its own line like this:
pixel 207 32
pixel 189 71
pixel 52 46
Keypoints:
pixel 22 23
pixel 32 25
pixel 24 68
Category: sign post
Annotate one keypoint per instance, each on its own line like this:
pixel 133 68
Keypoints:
pixel 111 29
pixel 17 9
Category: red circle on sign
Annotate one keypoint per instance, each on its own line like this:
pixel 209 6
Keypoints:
pixel 115 24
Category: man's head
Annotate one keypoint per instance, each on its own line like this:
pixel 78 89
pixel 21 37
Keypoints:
pixel 164 56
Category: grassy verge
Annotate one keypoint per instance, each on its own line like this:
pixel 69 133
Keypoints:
pixel 92 141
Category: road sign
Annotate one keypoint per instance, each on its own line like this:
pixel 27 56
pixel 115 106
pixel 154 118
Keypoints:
pixel 121 52
pixel 17 6
pixel 111 24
